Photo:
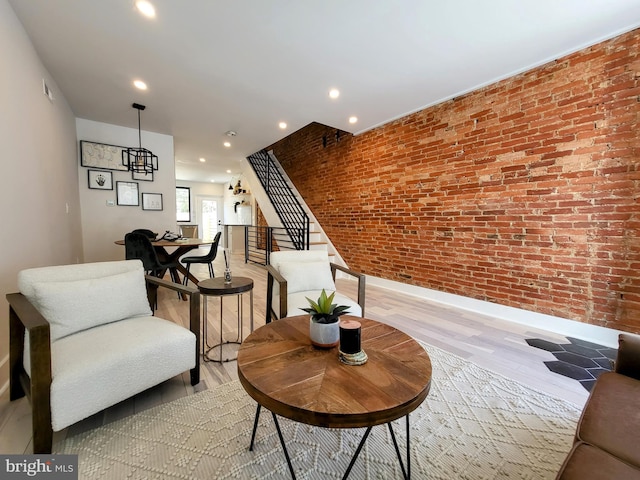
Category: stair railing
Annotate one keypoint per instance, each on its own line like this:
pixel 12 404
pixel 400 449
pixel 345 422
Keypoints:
pixel 294 219
pixel 261 241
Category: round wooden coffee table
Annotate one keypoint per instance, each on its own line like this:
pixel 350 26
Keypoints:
pixel 283 372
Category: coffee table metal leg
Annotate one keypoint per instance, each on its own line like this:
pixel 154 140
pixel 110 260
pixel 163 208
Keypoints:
pixel 405 473
pixel 408 449
pixel 255 427
pixel 355 455
pixel 284 447
pixel 221 329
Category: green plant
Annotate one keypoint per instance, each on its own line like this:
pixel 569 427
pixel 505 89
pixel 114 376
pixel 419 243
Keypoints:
pixel 324 311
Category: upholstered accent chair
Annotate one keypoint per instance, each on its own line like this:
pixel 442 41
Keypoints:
pixel 293 275
pixel 83 338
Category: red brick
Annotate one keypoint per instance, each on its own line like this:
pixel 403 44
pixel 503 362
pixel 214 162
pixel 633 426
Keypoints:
pixel 523 193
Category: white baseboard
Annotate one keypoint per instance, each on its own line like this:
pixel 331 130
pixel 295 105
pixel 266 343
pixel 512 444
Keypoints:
pixel 561 326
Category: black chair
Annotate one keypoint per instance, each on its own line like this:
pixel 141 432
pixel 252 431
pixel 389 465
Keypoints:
pixel 208 258
pixel 138 246
pixel 150 234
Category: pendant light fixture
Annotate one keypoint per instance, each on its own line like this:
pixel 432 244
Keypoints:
pixel 139 160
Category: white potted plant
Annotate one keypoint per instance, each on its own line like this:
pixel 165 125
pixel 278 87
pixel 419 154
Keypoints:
pixel 324 329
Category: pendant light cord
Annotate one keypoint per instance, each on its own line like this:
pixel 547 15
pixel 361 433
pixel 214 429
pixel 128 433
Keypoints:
pixel 139 133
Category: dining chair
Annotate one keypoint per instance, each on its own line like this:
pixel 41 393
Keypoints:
pixel 151 235
pixel 208 258
pixel 189 231
pixel 138 246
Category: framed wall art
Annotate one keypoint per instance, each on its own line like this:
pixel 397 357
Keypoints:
pixel 152 201
pixel 101 155
pixel 127 194
pixel 99 180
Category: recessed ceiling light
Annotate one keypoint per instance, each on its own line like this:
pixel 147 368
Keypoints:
pixel 228 171
pixel 145 8
pixel 213 181
pixel 202 160
pixel 334 93
pixel 227 144
pixel 353 119
pixel 140 84
pixel 282 125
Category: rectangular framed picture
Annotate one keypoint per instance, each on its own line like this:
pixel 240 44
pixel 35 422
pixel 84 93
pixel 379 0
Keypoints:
pixel 143 176
pixel 152 201
pixel 101 155
pixel 99 180
pixel 127 194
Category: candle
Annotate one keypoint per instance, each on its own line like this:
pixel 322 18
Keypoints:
pixel 349 336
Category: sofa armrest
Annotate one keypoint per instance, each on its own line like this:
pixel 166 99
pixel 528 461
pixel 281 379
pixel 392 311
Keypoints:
pixel 628 359
pixel 359 276
pixel 23 316
pixel 153 280
pixel 194 312
pixel 274 275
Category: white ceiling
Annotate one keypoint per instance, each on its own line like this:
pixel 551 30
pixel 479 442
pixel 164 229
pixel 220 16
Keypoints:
pixel 245 65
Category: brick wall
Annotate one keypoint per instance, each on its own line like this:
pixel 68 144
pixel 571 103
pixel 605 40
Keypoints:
pixel 524 193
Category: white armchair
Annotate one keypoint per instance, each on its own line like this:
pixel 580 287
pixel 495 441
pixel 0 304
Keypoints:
pixel 83 338
pixel 294 275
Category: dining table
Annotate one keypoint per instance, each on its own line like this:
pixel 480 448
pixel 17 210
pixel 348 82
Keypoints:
pixel 182 246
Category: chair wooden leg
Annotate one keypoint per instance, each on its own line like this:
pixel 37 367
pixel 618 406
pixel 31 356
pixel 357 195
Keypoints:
pixel 40 388
pixel 194 326
pixel 186 277
pixel 42 432
pixel 16 352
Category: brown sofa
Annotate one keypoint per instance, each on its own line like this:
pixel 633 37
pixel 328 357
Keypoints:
pixel 607 442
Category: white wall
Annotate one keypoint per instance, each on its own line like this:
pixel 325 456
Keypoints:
pixel 102 225
pixel 200 189
pixel 38 169
pixel 227 213
pixel 233 215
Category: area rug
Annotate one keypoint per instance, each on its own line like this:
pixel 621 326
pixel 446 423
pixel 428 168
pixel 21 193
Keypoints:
pixel 475 424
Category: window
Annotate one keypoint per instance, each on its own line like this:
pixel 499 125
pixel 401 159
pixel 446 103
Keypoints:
pixel 183 204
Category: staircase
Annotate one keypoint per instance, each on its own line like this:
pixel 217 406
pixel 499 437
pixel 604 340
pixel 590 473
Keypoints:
pixel 297 231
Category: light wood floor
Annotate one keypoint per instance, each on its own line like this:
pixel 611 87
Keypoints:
pixel 494 344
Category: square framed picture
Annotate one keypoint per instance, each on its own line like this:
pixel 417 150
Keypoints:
pixel 127 194
pixel 100 180
pixel 152 201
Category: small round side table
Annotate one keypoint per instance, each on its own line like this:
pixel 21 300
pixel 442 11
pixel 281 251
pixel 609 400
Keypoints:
pixel 215 287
